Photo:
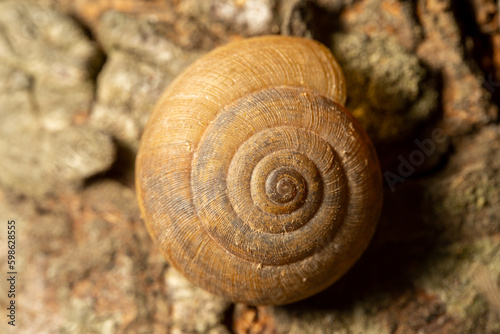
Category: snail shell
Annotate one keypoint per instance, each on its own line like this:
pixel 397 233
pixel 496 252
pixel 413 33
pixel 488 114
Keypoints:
pixel 253 179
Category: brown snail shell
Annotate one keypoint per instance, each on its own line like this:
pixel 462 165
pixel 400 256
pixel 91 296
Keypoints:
pixel 253 179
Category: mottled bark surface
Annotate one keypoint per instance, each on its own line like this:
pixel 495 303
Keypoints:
pixel 78 80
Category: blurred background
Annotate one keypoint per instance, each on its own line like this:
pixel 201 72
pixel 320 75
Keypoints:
pixel 78 80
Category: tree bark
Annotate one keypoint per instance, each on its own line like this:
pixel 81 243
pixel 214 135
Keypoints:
pixel 78 80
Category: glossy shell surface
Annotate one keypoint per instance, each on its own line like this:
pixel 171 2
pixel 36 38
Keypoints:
pixel 253 179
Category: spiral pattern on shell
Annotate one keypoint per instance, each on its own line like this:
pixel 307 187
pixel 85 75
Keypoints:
pixel 253 179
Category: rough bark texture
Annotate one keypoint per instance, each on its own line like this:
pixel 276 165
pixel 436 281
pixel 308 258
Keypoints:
pixel 77 83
